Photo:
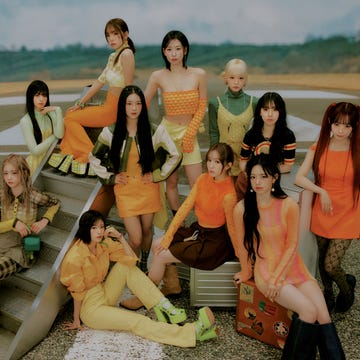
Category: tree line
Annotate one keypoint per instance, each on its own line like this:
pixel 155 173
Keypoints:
pixel 336 54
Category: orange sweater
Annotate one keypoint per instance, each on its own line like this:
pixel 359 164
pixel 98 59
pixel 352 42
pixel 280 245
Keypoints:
pixel 213 202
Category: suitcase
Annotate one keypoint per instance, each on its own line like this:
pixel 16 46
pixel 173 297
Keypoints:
pixel 259 318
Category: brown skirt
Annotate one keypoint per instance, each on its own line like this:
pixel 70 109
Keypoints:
pixel 207 249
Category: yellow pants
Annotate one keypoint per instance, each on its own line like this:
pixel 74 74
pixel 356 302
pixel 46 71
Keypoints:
pixel 99 310
pixel 76 141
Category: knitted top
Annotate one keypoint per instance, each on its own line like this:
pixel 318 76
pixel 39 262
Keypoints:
pixel 113 74
pixel 213 203
pixel 181 102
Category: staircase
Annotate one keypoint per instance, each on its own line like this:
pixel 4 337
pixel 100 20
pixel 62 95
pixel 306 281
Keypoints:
pixel 30 300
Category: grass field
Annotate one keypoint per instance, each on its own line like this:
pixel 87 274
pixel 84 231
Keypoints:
pixel 346 82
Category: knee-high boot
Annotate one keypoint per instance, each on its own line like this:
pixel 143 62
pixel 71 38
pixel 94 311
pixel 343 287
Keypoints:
pixel 329 343
pixel 301 341
pixel 171 287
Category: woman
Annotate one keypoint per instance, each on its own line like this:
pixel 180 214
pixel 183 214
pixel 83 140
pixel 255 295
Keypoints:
pixel 207 243
pixel 335 161
pixel 268 134
pixel 130 147
pixel 184 95
pixel 266 227
pixel 119 72
pixel 41 125
pixel 83 272
pixel 19 204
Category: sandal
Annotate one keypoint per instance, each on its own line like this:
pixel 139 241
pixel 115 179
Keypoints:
pixel 167 312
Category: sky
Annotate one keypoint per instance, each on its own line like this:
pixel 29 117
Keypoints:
pixel 45 24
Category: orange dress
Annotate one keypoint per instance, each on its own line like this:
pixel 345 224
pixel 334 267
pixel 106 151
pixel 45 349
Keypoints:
pixel 337 174
pixel 136 198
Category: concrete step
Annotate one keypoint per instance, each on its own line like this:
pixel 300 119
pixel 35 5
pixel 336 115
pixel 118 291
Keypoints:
pixel 14 305
pixel 6 337
pixel 69 186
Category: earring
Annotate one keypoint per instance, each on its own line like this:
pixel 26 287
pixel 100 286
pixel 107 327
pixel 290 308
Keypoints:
pixel 251 190
pixel 272 189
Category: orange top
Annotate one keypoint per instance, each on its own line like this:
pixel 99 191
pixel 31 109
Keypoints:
pixel 279 262
pixel 337 173
pixel 213 202
pixel 181 102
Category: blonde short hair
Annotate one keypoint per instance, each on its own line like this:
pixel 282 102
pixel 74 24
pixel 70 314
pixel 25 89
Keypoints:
pixel 238 64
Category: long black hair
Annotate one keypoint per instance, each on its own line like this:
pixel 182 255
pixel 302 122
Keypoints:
pixel 87 220
pixel 143 132
pixel 36 87
pixel 178 35
pixel 276 147
pixel 251 214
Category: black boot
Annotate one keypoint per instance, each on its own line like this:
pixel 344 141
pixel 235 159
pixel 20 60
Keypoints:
pixel 345 301
pixel 329 343
pixel 301 341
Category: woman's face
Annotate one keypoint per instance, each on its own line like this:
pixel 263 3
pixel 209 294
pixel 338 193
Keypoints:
pixel 235 79
pixel 12 176
pixel 114 37
pixel 174 52
pixel 215 167
pixel 40 100
pixel 269 114
pixel 260 182
pixel 341 129
pixel 133 107
pixel 97 231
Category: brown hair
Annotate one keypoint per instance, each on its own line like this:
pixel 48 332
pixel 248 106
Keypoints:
pixel 121 26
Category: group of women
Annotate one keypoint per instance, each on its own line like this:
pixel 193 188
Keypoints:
pixel 239 205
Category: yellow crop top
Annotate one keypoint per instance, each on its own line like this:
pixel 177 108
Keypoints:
pixel 181 102
pixel 113 74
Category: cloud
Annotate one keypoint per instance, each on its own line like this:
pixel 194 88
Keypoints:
pixel 47 23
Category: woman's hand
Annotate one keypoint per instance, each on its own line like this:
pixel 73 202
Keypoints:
pixel 121 178
pixel 47 109
pixel 157 248
pixel 112 232
pixel 75 325
pixel 21 228
pixel 237 279
pixel 272 292
pixel 37 226
pixel 326 204
pixel 148 178
pixel 73 108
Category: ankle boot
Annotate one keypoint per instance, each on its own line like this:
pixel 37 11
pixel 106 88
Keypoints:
pixel 301 342
pixel 143 261
pixel 167 312
pixel 171 284
pixel 345 301
pixel 329 343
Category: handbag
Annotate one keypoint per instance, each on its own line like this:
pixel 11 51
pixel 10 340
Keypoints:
pixel 32 243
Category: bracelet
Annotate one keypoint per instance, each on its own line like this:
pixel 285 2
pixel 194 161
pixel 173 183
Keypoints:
pixel 80 103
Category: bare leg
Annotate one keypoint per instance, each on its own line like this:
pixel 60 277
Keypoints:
pixel 192 172
pixel 158 263
pixel 307 300
pixel 172 191
pixel 134 230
